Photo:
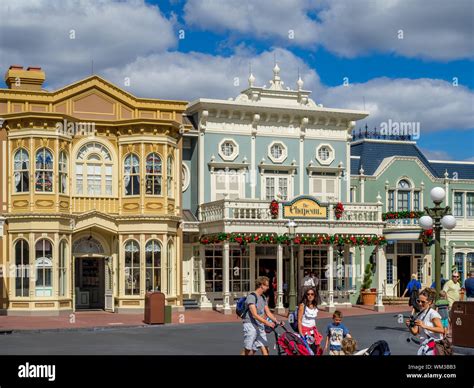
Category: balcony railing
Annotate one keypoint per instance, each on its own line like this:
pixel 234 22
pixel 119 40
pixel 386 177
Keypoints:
pixel 250 209
pixel 401 223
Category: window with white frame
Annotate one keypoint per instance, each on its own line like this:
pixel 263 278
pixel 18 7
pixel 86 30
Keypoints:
pixel 93 170
pixel 227 183
pixel 22 271
pixel 239 271
pixel 470 204
pixel 170 176
pixel 459 263
pixel 277 186
pixel 153 266
pixel 131 175
pixel 403 196
pixel 390 271
pixel 228 149
pixel 325 154
pixel 213 269
pixel 153 174
pixel 277 152
pixel 44 171
pixel 324 187
pixel 44 268
pixel 132 268
pixel 416 201
pixel 391 200
pixel 63 172
pixel 458 204
pixel 21 171
pixel 420 269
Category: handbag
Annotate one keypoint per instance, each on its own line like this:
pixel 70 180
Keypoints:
pixel 443 347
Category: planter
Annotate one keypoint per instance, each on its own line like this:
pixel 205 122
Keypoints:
pixel 368 298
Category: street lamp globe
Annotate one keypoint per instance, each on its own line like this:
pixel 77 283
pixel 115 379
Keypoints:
pixel 426 222
pixel 448 222
pixel 437 194
pixel 291 227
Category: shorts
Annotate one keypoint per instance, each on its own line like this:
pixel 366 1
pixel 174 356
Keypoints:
pixel 254 336
pixel 336 353
pixel 445 322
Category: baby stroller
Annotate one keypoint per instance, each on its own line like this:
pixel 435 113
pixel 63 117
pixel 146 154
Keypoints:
pixel 291 344
pixel 379 348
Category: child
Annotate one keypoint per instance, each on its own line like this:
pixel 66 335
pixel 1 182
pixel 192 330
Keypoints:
pixel 442 306
pixel 335 333
pixel 349 346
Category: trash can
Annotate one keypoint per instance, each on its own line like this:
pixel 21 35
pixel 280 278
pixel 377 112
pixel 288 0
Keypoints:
pixel 154 308
pixel 168 311
pixel 462 322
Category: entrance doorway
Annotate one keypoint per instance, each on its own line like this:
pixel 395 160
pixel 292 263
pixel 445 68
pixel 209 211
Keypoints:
pixel 403 271
pixel 90 283
pixel 267 267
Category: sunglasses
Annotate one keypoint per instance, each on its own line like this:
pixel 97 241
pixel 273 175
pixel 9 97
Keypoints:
pixel 310 293
pixel 456 277
pixel 423 302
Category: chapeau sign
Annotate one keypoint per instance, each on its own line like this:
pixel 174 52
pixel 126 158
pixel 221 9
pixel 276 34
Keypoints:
pixel 304 207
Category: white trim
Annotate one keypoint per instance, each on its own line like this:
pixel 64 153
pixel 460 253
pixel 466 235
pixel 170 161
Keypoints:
pixel 235 152
pixel 187 177
pixel 331 157
pixel 383 141
pixel 284 151
pixel 451 162
pixel 386 162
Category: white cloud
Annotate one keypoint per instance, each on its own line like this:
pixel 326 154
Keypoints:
pixel 112 33
pixel 192 75
pixel 435 104
pixel 439 30
pixel 436 154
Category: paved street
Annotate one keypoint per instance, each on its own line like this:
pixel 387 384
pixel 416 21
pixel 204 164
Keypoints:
pixel 179 339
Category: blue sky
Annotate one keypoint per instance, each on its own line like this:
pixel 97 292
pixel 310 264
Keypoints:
pixel 399 56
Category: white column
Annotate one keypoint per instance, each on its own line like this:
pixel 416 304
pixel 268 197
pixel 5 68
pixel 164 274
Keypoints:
pixel 331 306
pixel 348 170
pixel 253 263
pixel 300 170
pixel 201 152
pixel 362 190
pixel 225 278
pixel 381 276
pixel 253 172
pixel 279 307
pixel 204 302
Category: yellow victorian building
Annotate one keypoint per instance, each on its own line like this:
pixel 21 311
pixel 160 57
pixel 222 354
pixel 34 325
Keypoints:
pixel 90 196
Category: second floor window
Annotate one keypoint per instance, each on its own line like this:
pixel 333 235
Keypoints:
pixel 403 200
pixel 458 204
pixel 131 178
pixel 153 174
pixel 170 176
pixel 391 201
pixel 44 171
pixel 276 187
pixel 63 172
pixel 93 170
pixel 21 167
pixel 470 204
pixel 227 183
pixel 416 201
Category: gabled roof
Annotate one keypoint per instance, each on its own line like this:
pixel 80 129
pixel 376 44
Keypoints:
pixel 369 154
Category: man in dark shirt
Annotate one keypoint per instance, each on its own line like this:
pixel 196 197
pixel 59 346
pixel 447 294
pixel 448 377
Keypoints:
pixel 469 287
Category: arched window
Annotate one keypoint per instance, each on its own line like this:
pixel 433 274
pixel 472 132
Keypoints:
pixel 153 174
pixel 153 265
pixel 22 272
pixel 131 176
pixel 403 195
pixel 44 268
pixel 93 170
pixel 63 167
pixel 169 267
pixel 21 167
pixel 132 268
pixel 44 171
pixel 63 256
pixel 170 176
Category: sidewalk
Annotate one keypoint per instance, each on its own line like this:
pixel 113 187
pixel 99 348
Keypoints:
pixel 101 319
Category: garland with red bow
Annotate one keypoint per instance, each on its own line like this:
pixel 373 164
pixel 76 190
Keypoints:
pixel 426 237
pixel 303 239
pixel 401 215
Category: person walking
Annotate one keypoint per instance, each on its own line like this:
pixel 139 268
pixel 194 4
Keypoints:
pixel 428 320
pixel 254 321
pixel 413 288
pixel 469 287
pixel 307 314
pixel 307 283
pixel 453 289
pixel 335 333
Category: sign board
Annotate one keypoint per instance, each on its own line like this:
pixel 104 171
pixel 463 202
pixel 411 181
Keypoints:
pixel 306 208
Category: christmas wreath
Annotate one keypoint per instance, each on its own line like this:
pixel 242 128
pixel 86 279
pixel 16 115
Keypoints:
pixel 339 210
pixel 274 208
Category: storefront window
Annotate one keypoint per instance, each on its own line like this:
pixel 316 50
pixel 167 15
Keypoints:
pixel 239 271
pixel 315 259
pixel 44 268
pixel 213 271
pixel 169 267
pixel 132 268
pixel 22 273
pixel 153 265
pixel 62 268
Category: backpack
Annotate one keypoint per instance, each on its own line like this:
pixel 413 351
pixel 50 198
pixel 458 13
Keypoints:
pixel 241 308
pixel 443 347
pixel 379 348
pixel 293 319
pixel 414 296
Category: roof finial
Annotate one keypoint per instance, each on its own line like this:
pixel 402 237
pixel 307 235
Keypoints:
pixel 251 77
pixel 276 82
pixel 299 83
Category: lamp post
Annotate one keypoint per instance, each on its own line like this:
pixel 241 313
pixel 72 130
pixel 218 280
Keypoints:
pixel 291 234
pixel 437 218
